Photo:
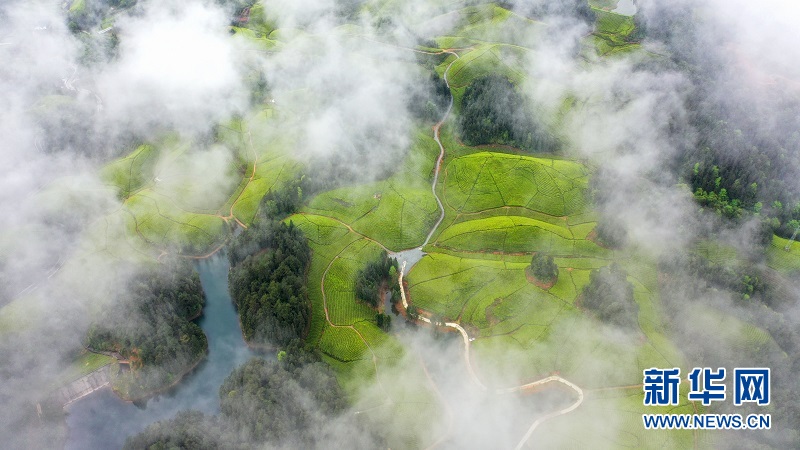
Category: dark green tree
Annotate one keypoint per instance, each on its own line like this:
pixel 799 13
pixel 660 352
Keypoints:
pixel 494 112
pixel 269 289
pixel 383 321
pixel 611 233
pixel 150 326
pixel 269 261
pixel 378 274
pixel 189 430
pixel 286 403
pixel 412 312
pixel 544 268
pixel 281 402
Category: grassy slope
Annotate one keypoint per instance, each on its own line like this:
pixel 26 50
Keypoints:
pixel 497 202
pixel 84 364
pixel 485 180
pixel 786 262
pixel 399 211
pixel 502 206
pixel 355 347
pixel 161 213
pixel 470 274
pixel 613 34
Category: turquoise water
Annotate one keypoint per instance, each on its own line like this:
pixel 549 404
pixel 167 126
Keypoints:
pixel 103 421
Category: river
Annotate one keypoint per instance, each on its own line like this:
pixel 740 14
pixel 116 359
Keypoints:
pixel 103 421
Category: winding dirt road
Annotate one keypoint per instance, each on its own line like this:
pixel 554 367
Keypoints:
pixel 465 336
pixel 436 138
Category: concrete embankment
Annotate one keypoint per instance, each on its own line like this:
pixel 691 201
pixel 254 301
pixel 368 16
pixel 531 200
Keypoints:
pixel 83 386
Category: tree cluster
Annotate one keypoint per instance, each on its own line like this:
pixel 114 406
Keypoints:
pixel 429 100
pixel 275 206
pixel 269 261
pixel 189 430
pixel 744 164
pixel 610 233
pixel 744 167
pixel 269 400
pixel 494 112
pixel 609 296
pixel 745 280
pixel 544 268
pixel 742 161
pixel 384 321
pixel 268 287
pixel 378 274
pixel 152 328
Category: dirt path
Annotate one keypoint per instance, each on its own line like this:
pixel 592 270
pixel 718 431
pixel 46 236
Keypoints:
pixel 568 409
pixel 436 128
pixel 453 325
pixel 250 180
pixel 436 138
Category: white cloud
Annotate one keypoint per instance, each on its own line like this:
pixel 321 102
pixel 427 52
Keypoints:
pixel 178 66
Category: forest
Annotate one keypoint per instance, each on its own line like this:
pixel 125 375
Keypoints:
pixel 277 400
pixel 276 205
pixel 494 112
pixel 743 157
pixel 269 289
pixel 269 261
pixel 290 402
pixel 739 170
pixel 163 343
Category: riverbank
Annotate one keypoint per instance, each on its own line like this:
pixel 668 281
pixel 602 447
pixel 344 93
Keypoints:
pixel 146 395
pixel 104 420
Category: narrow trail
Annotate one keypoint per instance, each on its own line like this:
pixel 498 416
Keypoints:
pixel 436 137
pixel 250 180
pixel 453 325
pixel 553 414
